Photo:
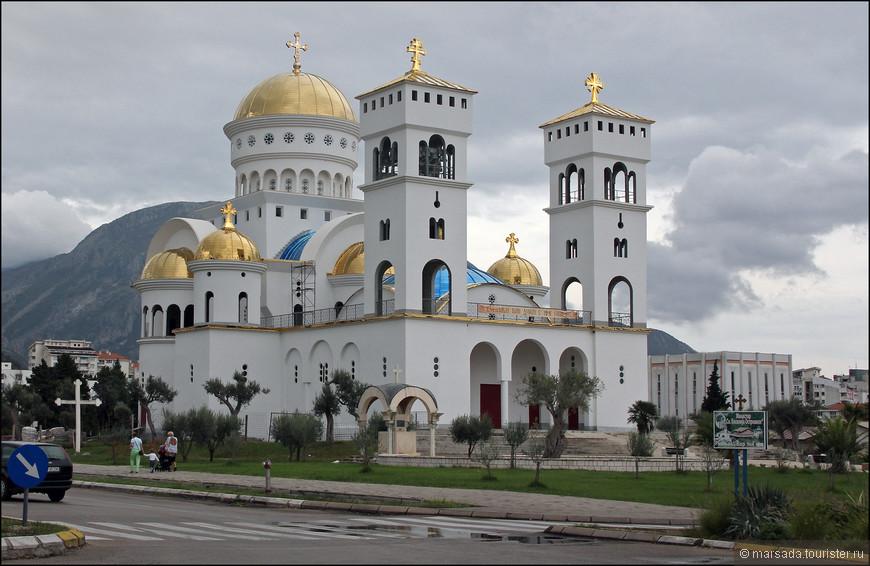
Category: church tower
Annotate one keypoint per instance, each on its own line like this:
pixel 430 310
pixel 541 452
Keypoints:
pixel 597 157
pixel 415 131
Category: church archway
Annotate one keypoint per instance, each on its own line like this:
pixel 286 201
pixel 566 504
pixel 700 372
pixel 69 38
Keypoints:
pixel 573 359
pixel 436 288
pixel 486 387
pixel 396 401
pixel 529 356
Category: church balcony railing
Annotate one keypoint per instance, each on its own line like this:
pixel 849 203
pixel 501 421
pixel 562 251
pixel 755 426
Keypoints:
pixel 318 316
pixel 528 314
pixel 385 307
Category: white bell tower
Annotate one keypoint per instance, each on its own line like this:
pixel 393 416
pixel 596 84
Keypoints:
pixel 415 130
pixel 597 157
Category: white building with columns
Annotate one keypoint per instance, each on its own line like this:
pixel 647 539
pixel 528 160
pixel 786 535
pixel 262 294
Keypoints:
pixel 300 273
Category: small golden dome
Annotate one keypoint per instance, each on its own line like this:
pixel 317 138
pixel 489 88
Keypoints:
pixel 514 270
pixel 295 93
pixel 227 243
pixel 352 261
pixel 169 264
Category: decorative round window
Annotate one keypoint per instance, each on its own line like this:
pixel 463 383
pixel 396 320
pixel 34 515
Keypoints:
pixel 269 138
pixel 327 139
pixel 309 137
pixel 353 146
pixel 343 143
pixel 289 137
pixel 238 143
pixel 251 141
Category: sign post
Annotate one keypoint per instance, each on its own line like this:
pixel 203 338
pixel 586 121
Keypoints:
pixel 28 466
pixel 78 403
pixel 740 431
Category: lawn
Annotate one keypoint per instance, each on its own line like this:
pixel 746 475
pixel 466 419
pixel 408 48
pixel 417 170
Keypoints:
pixel 666 488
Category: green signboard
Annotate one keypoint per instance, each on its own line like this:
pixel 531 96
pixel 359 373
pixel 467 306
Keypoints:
pixel 739 430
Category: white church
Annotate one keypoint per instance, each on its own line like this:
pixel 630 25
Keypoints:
pixel 296 277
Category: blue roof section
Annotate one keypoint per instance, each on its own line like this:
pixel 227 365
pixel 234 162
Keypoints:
pixel 474 276
pixel 294 248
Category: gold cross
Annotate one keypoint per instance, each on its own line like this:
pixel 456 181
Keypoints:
pixel 595 85
pixel 297 68
pixel 229 211
pixel 512 239
pixel 416 48
pixel 740 400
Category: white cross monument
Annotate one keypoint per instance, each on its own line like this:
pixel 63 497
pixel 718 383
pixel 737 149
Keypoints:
pixel 78 403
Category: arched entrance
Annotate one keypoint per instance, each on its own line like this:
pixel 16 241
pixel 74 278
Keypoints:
pixel 396 402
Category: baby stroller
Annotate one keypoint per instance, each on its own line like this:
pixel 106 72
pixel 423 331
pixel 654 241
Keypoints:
pixel 164 462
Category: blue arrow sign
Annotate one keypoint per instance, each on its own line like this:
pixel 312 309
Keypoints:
pixel 28 466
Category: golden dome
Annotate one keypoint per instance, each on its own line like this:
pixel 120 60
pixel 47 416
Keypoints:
pixel 352 261
pixel 295 93
pixel 514 270
pixel 169 264
pixel 227 243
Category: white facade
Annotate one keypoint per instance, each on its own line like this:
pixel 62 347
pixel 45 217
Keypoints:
pixel 678 382
pixel 12 377
pixel 81 351
pixel 414 310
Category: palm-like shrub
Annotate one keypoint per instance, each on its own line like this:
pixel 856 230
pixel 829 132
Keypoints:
pixel 761 514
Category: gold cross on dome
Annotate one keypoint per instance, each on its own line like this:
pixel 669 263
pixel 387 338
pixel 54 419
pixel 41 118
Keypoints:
pixel 595 85
pixel 416 48
pixel 229 211
pixel 297 68
pixel 512 239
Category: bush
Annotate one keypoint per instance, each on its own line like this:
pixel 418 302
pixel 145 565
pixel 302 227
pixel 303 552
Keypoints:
pixel 762 513
pixel 714 521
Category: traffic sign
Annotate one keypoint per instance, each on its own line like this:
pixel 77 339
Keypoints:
pixel 28 466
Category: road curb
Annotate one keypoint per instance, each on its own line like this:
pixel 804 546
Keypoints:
pixel 589 532
pixel 40 545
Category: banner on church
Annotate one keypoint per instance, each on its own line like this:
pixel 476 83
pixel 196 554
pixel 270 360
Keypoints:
pixel 739 430
pixel 525 311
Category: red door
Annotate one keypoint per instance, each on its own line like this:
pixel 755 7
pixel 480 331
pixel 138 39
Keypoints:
pixel 573 418
pixel 534 416
pixel 490 403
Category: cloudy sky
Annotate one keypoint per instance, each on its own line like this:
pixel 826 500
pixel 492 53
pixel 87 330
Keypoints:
pixel 759 177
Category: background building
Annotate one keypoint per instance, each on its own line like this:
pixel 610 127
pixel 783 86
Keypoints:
pixel 84 356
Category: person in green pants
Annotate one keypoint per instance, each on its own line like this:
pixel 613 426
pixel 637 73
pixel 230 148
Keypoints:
pixel 135 452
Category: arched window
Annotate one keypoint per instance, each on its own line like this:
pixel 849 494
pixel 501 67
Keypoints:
pixel 305 186
pixel 243 307
pixel 385 229
pixel 383 306
pixel 386 159
pixel 288 184
pixel 620 303
pixel 209 306
pixel 571 194
pixel 563 194
pixel 272 184
pixel 631 188
pixel 436 229
pixel 620 247
pixel 581 184
pixel 188 316
pixel 157 321
pixel 619 182
pixel 608 184
pixel 431 303
pixel 571 249
pixel 319 187
pixel 146 324
pixel 173 319
pixel 437 159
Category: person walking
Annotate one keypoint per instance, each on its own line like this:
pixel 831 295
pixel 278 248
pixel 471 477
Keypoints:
pixel 171 449
pixel 135 453
pixel 152 460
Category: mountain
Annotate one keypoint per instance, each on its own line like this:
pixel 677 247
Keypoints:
pixel 86 295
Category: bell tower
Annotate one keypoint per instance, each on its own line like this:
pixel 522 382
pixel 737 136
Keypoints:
pixel 415 131
pixel 597 157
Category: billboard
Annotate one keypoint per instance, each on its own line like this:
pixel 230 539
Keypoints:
pixel 739 430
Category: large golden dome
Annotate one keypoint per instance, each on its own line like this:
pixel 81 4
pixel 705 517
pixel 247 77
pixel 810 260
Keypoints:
pixel 514 270
pixel 227 243
pixel 169 264
pixel 352 261
pixel 295 93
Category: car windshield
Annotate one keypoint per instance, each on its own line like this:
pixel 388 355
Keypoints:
pixel 54 452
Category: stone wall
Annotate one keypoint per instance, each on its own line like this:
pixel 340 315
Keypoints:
pixel 597 463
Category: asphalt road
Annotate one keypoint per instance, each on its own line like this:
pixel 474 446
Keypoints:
pixel 122 528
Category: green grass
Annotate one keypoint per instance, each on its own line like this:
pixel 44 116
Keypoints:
pixel 13 528
pixel 665 488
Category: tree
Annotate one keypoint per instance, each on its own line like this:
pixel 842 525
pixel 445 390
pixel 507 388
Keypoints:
pixel 470 430
pixel 155 391
pixel 558 394
pixel 295 431
pixel 790 415
pixel 515 434
pixel 715 399
pixel 639 446
pixel 234 395
pixel 366 440
pixel 18 403
pixel 535 449
pixel 852 412
pixel 712 462
pixel 111 388
pixel 348 390
pixel 678 437
pixel 837 438
pixel 326 404
pixel 46 386
pixel 487 452
pixel 643 414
